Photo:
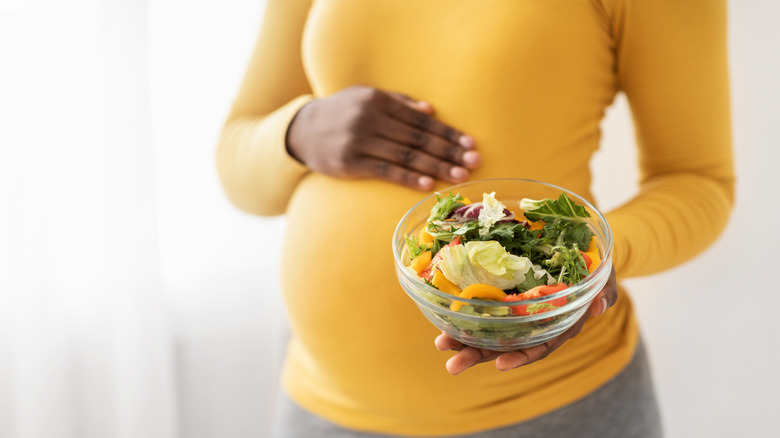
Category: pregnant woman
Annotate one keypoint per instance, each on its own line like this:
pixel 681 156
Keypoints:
pixel 351 111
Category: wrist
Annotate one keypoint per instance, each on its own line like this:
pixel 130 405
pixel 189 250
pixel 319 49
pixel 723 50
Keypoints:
pixel 294 137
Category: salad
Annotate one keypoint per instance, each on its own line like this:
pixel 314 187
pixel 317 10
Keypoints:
pixel 487 251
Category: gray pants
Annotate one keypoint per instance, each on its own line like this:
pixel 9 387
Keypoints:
pixel 625 407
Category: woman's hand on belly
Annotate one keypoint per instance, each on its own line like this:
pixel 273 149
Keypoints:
pixel 466 357
pixel 362 132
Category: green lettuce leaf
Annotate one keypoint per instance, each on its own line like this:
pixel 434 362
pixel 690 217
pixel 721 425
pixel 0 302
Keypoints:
pixel 548 210
pixel 484 263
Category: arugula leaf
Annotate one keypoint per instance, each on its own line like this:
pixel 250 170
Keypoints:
pixel 500 232
pixel 560 232
pixel 414 246
pixel 578 235
pixel 436 246
pixel 531 281
pixel 548 210
pixel 445 205
pixel 448 232
pixel 465 229
pixel 568 264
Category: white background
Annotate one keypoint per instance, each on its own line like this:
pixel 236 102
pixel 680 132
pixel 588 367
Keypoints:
pixel 136 302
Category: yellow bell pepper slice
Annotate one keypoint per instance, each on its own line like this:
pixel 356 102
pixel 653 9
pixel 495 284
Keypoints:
pixel 478 291
pixel 425 237
pixel 421 262
pixel 532 226
pixel 538 225
pixel 443 284
pixel 593 253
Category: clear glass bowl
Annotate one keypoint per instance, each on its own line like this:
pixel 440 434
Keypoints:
pixel 483 329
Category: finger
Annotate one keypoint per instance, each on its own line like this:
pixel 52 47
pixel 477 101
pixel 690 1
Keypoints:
pixel 606 298
pixel 445 342
pixel 440 147
pixel 412 158
pixel 599 305
pixel 611 289
pixel 370 167
pixel 419 105
pixel 572 331
pixel 403 112
pixel 467 358
pixel 514 359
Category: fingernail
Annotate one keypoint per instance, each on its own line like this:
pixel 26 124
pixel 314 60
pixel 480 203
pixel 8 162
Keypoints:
pixel 424 106
pixel 603 305
pixel 471 159
pixel 425 182
pixel 459 173
pixel 466 141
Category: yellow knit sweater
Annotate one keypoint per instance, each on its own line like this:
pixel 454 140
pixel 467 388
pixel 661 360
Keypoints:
pixel 530 81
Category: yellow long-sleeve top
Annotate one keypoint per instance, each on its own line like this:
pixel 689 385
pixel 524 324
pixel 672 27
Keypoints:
pixel 530 81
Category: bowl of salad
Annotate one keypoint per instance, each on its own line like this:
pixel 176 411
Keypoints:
pixel 503 264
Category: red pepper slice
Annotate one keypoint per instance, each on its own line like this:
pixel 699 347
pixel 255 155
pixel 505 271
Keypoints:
pixel 538 291
pixel 588 261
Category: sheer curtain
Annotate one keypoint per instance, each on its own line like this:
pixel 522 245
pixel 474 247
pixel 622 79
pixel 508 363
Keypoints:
pixel 89 342
pixel 134 301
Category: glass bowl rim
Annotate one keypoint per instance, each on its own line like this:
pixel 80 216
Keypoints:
pixel 590 279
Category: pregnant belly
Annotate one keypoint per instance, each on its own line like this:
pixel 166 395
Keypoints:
pixel 337 262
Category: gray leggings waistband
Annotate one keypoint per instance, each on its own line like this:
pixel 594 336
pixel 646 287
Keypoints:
pixel 625 407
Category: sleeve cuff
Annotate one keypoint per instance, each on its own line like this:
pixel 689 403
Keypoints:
pixel 278 155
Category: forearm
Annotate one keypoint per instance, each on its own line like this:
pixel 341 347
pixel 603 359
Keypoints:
pixel 673 218
pixel 257 173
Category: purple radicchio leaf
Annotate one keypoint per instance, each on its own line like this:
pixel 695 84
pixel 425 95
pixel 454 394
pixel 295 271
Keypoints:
pixel 468 213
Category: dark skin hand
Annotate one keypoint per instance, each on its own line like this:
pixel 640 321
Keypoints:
pixel 467 356
pixel 363 132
